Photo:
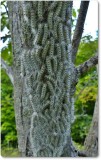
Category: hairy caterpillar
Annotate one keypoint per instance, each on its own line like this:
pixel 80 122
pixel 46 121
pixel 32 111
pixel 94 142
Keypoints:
pixel 45 34
pixel 45 50
pixel 50 86
pixel 39 88
pixel 40 10
pixel 33 21
pixel 58 9
pixel 61 36
pixel 53 5
pixel 40 33
pixel 63 12
pixel 55 64
pixel 66 35
pixel 49 66
pixel 38 55
pixel 50 79
pixel 55 29
pixel 58 49
pixel 41 72
pixel 60 68
pixel 43 93
pixel 51 52
pixel 63 48
pixel 50 20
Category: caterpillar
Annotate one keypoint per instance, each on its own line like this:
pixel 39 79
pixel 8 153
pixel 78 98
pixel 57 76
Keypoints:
pixel 33 21
pixel 51 52
pixel 40 10
pixel 58 9
pixel 55 64
pixel 50 86
pixel 58 49
pixel 50 20
pixel 39 87
pixel 55 30
pixel 38 55
pixel 41 72
pixel 45 50
pixel 61 36
pixel 50 79
pixel 53 5
pixel 66 35
pixel 43 93
pixel 40 33
pixel 63 12
pixel 49 66
pixel 63 48
pixel 45 34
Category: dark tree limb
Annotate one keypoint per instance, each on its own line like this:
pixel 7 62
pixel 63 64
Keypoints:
pixel 83 68
pixel 79 28
pixel 8 70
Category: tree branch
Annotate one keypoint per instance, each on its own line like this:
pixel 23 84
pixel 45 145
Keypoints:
pixel 83 68
pixel 8 70
pixel 79 28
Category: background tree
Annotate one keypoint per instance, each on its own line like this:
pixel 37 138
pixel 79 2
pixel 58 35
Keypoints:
pixel 25 80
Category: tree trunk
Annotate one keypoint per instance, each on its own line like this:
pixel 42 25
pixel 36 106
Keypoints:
pixel 44 76
pixel 91 141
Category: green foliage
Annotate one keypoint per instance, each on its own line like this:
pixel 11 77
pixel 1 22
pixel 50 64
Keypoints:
pixel 8 127
pixel 10 152
pixel 86 91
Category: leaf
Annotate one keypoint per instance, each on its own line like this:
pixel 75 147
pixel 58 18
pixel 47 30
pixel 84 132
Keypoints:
pixel 74 13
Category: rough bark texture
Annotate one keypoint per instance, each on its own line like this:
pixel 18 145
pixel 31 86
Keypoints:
pixel 44 77
pixel 91 142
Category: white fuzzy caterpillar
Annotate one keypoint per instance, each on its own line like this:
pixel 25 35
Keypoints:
pixel 45 50
pixel 55 64
pixel 39 88
pixel 40 10
pixel 60 32
pixel 50 86
pixel 45 34
pixel 51 52
pixel 40 33
pixel 50 79
pixel 38 54
pixel 56 30
pixel 58 9
pixel 66 35
pixel 60 68
pixel 33 22
pixel 41 72
pixel 49 65
pixel 63 48
pixel 53 5
pixel 43 93
pixel 58 49
pixel 63 12
pixel 50 20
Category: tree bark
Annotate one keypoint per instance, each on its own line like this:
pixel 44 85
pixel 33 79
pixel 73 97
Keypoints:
pixel 91 141
pixel 44 77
